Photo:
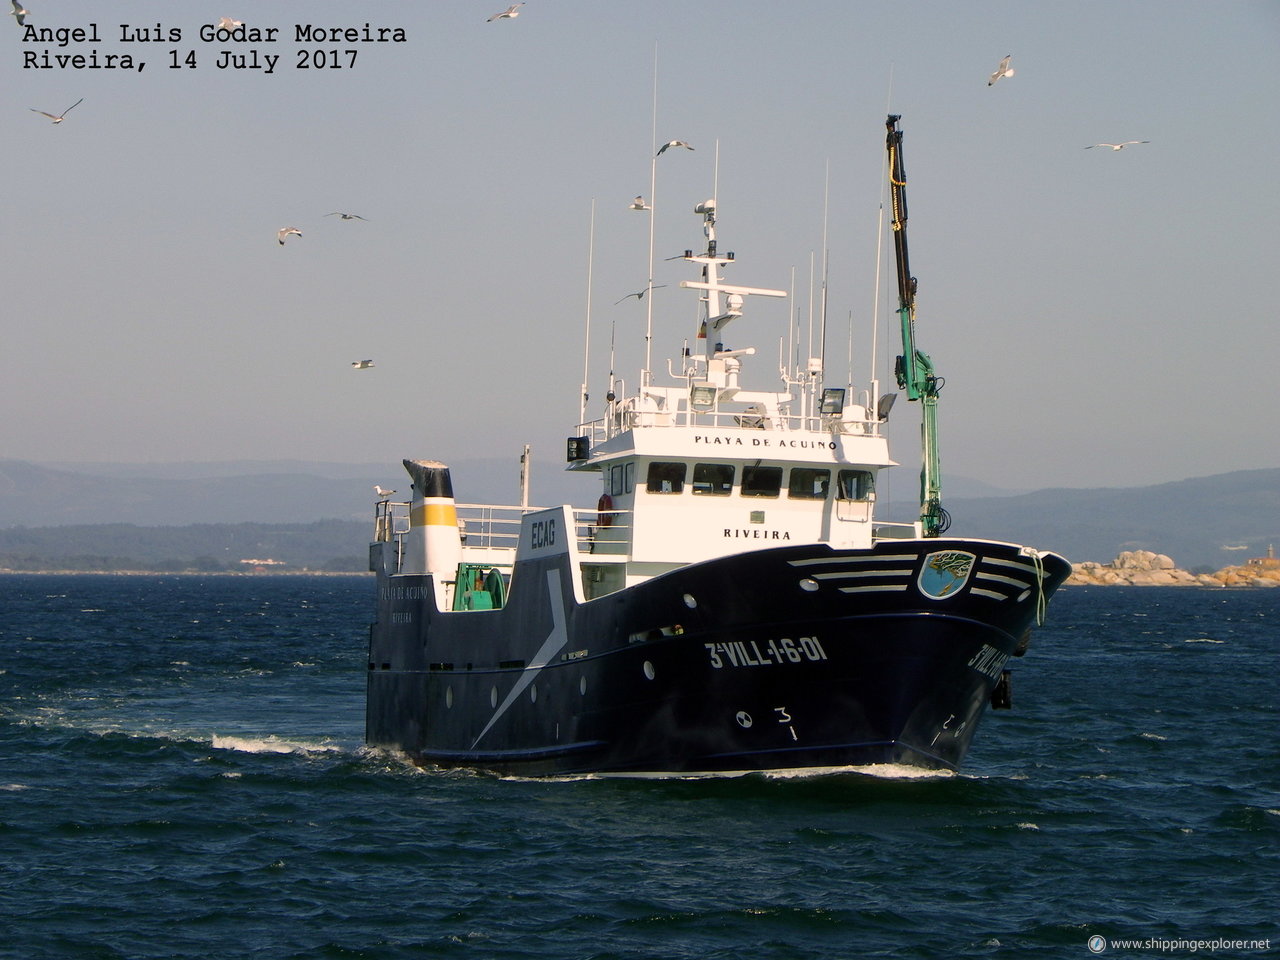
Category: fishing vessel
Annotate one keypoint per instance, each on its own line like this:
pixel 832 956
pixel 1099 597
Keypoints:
pixel 731 603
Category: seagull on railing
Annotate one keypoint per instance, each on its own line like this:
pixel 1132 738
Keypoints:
pixel 639 204
pixel 1004 70
pixel 19 12
pixel 285 232
pixel 383 494
pixel 58 117
pixel 672 143
pixel 361 364
pixel 1116 146
pixel 510 13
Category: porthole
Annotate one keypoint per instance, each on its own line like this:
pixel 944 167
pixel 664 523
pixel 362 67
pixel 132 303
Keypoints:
pixel 582 686
pixel 493 697
pixel 690 601
pixel 808 584
pixel 648 669
pixel 448 698
pixel 533 693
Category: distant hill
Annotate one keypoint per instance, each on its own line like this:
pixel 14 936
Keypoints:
pixel 319 515
pixel 1202 522
pixel 42 495
pixel 326 545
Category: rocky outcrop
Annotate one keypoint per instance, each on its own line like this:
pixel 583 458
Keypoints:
pixel 1142 568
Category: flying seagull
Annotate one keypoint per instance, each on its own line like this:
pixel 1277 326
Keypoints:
pixel 510 13
pixel 640 295
pixel 639 204
pixel 1115 146
pixel 1004 70
pixel 226 23
pixel 19 12
pixel 345 216
pixel 382 494
pixel 284 232
pixel 363 365
pixel 58 118
pixel 672 143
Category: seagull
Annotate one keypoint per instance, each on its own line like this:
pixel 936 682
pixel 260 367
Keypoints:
pixel 382 494
pixel 639 204
pixel 1004 70
pixel 58 118
pixel 363 365
pixel 345 216
pixel 226 23
pixel 510 13
pixel 672 143
pixel 1115 146
pixel 284 232
pixel 19 12
pixel 640 295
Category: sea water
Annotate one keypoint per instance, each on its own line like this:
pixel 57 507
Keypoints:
pixel 182 775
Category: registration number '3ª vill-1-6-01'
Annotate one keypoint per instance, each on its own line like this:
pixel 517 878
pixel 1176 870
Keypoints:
pixel 769 653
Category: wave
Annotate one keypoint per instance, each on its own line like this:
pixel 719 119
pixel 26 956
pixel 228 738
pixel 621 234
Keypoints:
pixel 272 744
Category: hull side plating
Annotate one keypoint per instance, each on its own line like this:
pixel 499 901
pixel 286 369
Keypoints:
pixel 792 657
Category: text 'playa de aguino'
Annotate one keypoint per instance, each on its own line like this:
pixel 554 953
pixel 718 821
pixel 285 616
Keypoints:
pixel 236 59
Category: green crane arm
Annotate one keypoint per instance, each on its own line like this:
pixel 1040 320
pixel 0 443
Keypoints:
pixel 913 368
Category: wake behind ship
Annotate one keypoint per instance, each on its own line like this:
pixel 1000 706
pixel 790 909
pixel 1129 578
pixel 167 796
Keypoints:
pixel 730 604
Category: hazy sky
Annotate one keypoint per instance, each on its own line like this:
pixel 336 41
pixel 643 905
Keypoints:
pixel 1101 318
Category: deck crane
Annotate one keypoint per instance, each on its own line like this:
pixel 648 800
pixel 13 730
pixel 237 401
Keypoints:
pixel 913 369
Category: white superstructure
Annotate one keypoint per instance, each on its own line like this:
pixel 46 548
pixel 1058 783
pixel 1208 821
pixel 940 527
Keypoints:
pixel 705 467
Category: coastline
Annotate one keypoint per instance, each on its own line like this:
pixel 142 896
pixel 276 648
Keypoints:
pixel 1142 568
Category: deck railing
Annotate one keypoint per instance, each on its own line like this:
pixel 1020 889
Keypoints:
pixel 627 416
pixel 490 527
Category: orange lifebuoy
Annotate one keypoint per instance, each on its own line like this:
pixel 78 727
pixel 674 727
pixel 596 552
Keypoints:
pixel 604 510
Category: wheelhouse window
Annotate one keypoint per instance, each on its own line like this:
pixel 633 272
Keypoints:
pixel 665 477
pixel 855 485
pixel 712 479
pixel 622 479
pixel 761 481
pixel 808 483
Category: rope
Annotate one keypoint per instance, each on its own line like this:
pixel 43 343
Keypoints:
pixel 1042 602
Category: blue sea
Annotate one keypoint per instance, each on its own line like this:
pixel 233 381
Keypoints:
pixel 182 775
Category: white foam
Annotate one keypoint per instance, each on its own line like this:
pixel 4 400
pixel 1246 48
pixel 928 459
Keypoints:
pixel 1153 736
pixel 1203 640
pixel 271 745
pixel 881 771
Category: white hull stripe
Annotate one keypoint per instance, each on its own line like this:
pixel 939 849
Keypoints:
pixel 859 574
pixel 996 578
pixel 1016 564
pixel 993 594
pixel 883 558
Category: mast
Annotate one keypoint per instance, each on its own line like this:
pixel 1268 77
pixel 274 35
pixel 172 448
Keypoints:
pixel 913 369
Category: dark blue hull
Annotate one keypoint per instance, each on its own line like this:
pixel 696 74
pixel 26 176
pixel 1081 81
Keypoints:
pixel 795 657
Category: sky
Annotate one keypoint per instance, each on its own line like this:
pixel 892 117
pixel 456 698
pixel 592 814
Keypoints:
pixel 1101 318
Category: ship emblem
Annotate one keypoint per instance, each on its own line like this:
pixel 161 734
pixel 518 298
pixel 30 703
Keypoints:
pixel 944 573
